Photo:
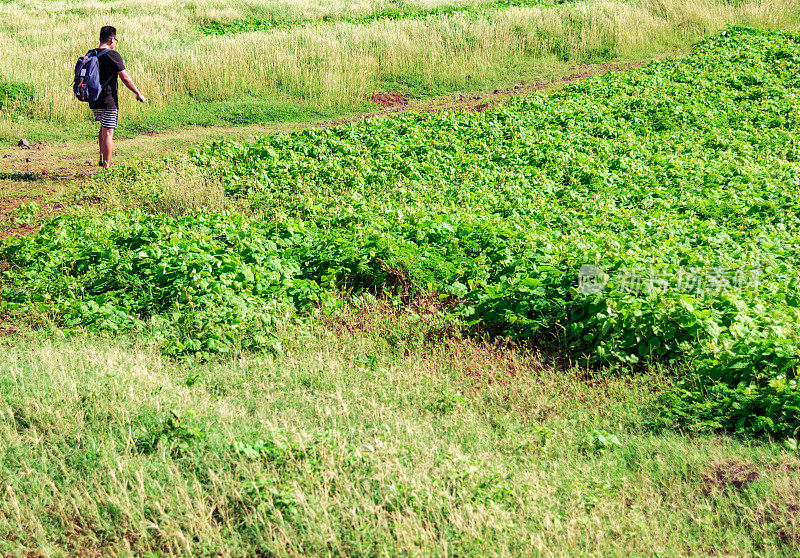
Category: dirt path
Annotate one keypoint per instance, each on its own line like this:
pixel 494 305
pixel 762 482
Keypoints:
pixel 46 173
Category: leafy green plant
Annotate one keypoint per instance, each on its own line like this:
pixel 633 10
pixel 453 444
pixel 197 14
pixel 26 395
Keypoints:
pixel 791 443
pixel 446 401
pixel 172 433
pixel 26 213
pixel 271 498
pixel 192 380
pixel 599 441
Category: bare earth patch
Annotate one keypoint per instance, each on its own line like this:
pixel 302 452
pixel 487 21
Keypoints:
pixel 781 509
pixel 389 99
pixel 721 476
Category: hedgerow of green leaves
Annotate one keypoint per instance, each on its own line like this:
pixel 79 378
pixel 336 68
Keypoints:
pixel 687 164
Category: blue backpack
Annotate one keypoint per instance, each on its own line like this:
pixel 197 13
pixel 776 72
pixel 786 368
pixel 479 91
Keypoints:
pixel 87 86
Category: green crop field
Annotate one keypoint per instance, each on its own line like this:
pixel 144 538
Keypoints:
pixel 566 324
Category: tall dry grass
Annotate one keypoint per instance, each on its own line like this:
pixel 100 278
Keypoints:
pixel 332 65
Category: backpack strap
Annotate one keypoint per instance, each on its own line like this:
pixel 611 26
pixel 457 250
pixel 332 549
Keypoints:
pixel 107 82
pixel 98 53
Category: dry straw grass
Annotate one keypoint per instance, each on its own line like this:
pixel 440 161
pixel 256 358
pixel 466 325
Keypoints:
pixel 161 187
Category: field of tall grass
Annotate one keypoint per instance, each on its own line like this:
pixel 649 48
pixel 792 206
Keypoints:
pixel 329 65
pixel 377 434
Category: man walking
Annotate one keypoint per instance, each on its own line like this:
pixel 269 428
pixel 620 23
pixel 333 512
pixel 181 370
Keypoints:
pixel 106 107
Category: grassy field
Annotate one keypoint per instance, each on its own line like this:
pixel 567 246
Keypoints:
pixel 327 67
pixel 364 439
pixel 367 340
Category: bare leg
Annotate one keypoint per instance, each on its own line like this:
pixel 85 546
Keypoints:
pixel 100 143
pixel 106 141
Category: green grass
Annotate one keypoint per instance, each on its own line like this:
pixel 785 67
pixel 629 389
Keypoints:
pixel 16 98
pixel 187 113
pixel 231 112
pixel 383 430
pixel 362 438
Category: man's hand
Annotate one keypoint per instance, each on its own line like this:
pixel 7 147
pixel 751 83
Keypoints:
pixel 126 79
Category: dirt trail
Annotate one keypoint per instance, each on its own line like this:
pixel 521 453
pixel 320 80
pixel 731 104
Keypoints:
pixel 44 173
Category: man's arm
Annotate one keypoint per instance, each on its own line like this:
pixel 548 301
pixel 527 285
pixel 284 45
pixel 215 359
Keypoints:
pixel 126 79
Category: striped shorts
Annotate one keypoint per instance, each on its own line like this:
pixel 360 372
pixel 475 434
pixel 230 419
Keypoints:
pixel 106 117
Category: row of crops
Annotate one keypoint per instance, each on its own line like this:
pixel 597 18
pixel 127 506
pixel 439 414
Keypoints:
pixel 642 217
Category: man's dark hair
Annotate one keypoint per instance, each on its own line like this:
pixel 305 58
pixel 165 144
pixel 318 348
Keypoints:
pixel 107 33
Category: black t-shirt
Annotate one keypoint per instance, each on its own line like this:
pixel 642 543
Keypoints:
pixel 109 64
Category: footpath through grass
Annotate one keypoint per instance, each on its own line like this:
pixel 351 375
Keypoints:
pixel 361 439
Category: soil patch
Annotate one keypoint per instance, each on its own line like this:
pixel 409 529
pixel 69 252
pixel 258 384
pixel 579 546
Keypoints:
pixel 780 507
pixel 389 99
pixel 19 230
pixel 721 476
